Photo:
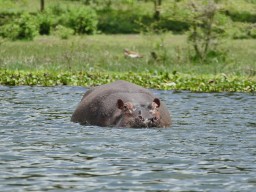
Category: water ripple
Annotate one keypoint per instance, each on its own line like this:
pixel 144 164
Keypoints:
pixel 210 147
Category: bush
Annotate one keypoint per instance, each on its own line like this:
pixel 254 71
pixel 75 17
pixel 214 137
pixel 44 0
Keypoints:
pixel 118 21
pixel 252 32
pixel 205 33
pixel 113 21
pixel 28 27
pixel 243 31
pixel 10 31
pixel 82 20
pixel 63 32
pixel 24 27
pixel 57 9
pixel 45 21
pixel 243 16
pixel 239 31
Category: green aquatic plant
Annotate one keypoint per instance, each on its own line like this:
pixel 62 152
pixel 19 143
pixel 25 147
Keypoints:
pixel 164 80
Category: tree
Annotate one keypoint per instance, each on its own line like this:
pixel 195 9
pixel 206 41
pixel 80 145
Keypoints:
pixel 157 7
pixel 42 5
pixel 204 33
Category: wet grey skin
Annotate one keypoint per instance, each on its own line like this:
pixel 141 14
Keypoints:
pixel 121 104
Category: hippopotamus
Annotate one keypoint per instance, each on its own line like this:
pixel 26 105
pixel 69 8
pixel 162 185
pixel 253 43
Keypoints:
pixel 121 104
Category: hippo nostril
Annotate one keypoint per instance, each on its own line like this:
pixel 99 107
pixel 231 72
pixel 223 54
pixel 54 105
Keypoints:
pixel 141 118
pixel 153 119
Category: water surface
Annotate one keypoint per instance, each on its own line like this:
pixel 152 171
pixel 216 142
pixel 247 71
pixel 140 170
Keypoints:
pixel 210 147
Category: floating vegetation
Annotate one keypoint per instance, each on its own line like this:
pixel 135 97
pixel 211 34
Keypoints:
pixel 164 81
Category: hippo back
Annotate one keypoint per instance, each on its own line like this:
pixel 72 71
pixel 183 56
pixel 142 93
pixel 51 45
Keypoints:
pixel 99 104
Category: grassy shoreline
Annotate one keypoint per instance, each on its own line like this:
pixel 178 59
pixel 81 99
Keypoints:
pixel 98 59
pixel 105 53
pixel 164 81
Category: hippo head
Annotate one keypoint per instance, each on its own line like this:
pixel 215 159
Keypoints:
pixel 140 115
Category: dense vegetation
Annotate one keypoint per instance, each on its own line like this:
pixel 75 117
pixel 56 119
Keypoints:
pixel 236 18
pixel 166 81
pixel 98 59
pixel 196 42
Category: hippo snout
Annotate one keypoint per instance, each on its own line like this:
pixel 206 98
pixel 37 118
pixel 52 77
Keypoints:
pixel 152 122
pixel 153 119
pixel 147 122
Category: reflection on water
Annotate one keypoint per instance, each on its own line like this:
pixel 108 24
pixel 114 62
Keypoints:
pixel 210 147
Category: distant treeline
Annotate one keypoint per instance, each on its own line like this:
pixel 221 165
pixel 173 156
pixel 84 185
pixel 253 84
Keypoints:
pixel 68 17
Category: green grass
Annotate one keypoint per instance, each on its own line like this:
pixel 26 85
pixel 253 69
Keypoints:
pixel 32 6
pixel 98 59
pixel 105 53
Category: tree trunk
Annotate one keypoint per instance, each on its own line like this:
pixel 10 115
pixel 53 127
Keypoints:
pixel 157 9
pixel 42 5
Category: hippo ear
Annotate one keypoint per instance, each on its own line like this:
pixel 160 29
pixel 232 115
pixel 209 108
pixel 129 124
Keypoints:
pixel 120 104
pixel 157 101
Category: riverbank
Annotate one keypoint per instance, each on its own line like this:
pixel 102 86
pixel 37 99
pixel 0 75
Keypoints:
pixel 98 59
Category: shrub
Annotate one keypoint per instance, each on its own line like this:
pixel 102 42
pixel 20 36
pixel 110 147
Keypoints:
pixel 28 27
pixel 10 31
pixel 243 31
pixel 45 21
pixel 243 16
pixel 57 9
pixel 239 31
pixel 134 21
pixel 205 32
pixel 118 21
pixel 63 32
pixel 24 27
pixel 82 20
pixel 252 31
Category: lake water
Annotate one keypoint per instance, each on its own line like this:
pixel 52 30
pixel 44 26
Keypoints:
pixel 210 147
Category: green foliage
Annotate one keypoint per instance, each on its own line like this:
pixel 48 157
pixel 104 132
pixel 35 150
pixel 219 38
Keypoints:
pixel 118 21
pixel 252 31
pixel 57 9
pixel 206 30
pixel 124 16
pixel 134 21
pixel 63 32
pixel 251 1
pixel 28 27
pixel 10 31
pixel 24 27
pixel 240 31
pixel 243 31
pixel 45 21
pixel 166 81
pixel 240 10
pixel 83 20
pixel 243 16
